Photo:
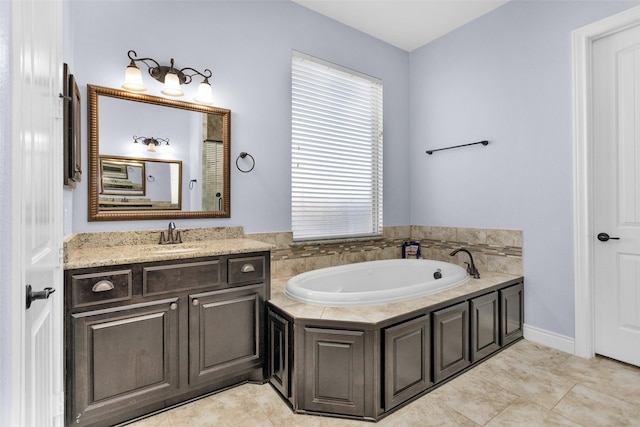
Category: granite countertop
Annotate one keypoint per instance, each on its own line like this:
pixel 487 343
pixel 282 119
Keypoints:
pixel 86 250
pixel 100 257
pixel 379 313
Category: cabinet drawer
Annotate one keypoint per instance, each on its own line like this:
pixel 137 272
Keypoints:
pixel 99 288
pixel 246 270
pixel 161 279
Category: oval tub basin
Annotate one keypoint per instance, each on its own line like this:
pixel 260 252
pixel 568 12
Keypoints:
pixel 374 282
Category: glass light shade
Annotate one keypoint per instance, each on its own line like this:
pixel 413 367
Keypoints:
pixel 204 95
pixel 172 85
pixel 133 79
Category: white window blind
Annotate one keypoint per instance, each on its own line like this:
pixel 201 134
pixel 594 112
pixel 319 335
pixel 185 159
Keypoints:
pixel 336 151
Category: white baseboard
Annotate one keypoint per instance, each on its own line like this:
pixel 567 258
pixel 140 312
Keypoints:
pixel 550 339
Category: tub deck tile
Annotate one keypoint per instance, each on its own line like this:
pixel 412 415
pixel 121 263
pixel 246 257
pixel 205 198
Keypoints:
pixel 379 313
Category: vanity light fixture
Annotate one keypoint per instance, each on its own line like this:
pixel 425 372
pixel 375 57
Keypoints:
pixel 151 143
pixel 169 75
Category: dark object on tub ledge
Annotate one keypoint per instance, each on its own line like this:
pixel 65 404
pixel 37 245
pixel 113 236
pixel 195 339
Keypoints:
pixel 471 268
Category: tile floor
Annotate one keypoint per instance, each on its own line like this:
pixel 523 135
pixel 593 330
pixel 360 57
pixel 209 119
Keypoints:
pixel 525 385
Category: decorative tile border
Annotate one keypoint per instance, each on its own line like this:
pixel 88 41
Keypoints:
pixel 493 250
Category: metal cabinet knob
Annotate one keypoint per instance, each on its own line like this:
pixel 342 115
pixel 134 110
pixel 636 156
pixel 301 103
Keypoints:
pixel 173 306
pixel 195 302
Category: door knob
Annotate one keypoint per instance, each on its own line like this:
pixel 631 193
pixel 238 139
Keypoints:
pixel 32 296
pixel 603 237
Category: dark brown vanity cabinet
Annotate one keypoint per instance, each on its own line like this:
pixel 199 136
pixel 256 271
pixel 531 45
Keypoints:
pixel 143 337
pixel 485 334
pixel 407 360
pixel 450 340
pixel 511 313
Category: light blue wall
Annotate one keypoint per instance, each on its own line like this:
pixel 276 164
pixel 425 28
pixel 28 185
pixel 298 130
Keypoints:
pixel 247 45
pixel 505 77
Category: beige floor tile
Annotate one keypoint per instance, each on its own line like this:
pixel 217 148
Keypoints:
pixel 604 375
pixel 476 398
pixel 525 385
pixel 532 354
pixel 431 410
pixel 260 420
pixel 338 422
pixel 531 382
pixel 523 413
pixel 592 408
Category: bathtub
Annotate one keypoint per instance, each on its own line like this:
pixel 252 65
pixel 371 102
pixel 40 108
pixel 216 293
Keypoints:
pixel 374 282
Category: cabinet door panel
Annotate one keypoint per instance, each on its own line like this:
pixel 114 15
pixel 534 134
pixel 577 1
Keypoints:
pixel 123 358
pixel 407 360
pixel 485 337
pixel 334 371
pixel 511 313
pixel 450 340
pixel 279 353
pixel 224 332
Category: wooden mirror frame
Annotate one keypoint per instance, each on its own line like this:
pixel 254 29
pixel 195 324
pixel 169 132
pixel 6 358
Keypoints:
pixel 94 213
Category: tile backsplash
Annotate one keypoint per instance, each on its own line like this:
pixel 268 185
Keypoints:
pixel 493 249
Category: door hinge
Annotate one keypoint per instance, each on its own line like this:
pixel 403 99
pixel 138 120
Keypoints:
pixel 60 256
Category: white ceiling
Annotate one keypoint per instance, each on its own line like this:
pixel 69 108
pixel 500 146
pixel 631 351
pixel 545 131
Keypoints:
pixel 407 24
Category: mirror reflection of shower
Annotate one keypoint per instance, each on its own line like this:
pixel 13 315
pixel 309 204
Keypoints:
pixel 212 174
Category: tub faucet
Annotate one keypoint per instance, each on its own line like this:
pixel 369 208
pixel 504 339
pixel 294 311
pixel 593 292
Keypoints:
pixel 171 238
pixel 471 268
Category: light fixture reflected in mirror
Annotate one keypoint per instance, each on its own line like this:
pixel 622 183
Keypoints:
pixel 171 77
pixel 151 143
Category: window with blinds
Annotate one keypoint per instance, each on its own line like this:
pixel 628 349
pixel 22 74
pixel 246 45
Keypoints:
pixel 336 151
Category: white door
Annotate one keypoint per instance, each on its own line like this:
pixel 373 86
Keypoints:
pixel 616 183
pixel 37 208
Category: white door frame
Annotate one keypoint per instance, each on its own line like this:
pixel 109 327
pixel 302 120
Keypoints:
pixel 584 285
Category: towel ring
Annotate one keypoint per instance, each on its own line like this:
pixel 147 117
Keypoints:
pixel 243 155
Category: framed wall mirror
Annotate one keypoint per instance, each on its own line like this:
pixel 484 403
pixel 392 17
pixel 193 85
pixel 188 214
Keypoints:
pixel 156 158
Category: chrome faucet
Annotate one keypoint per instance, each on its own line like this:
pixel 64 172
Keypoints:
pixel 171 238
pixel 471 268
